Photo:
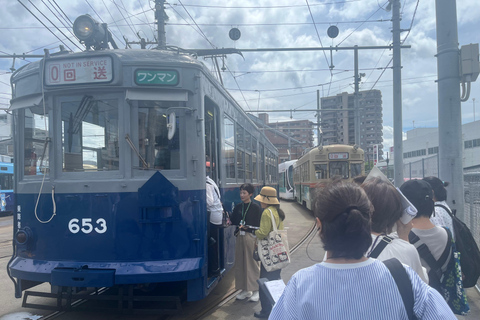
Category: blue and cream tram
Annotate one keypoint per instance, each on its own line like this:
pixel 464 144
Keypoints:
pixel 323 163
pixel 6 188
pixel 121 139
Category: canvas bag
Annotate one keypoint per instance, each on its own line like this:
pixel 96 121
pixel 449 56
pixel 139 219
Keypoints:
pixel 273 250
pixel 448 283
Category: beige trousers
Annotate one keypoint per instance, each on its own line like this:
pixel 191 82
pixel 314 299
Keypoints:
pixel 247 270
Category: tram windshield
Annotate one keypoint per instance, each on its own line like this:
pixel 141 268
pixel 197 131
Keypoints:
pixel 321 171
pixel 356 169
pixel 36 159
pixel 154 146
pixel 338 169
pixel 90 134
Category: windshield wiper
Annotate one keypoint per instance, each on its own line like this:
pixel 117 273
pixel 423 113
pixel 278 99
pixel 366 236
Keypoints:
pixel 130 143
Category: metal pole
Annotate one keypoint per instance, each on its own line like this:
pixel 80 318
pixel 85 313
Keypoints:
pixel 356 117
pixel 397 96
pixel 160 17
pixel 473 100
pixel 450 149
pixel 318 117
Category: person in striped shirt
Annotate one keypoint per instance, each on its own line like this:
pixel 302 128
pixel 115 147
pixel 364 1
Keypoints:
pixel 348 285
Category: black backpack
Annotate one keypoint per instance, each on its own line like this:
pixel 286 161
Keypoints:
pixel 469 253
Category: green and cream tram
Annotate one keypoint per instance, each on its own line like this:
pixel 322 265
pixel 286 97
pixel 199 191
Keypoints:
pixel 322 163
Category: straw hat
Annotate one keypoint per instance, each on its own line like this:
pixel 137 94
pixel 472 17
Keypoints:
pixel 267 195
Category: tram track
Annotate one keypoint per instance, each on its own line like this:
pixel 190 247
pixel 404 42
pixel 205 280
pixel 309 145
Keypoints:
pixel 208 310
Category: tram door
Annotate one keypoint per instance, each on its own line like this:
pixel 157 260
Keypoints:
pixel 212 141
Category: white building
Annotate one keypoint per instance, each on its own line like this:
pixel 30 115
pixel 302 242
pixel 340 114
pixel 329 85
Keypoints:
pixel 420 151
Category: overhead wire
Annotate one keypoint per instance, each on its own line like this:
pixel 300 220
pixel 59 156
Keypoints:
pixel 321 44
pixel 206 38
pixel 268 7
pixel 58 18
pixel 121 13
pixel 46 25
pixel 151 28
pixel 115 22
pixel 361 24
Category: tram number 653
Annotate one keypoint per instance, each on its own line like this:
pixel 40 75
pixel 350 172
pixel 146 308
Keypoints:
pixel 86 226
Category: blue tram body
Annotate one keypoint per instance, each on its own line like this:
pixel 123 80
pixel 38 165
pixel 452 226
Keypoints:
pixel 111 149
pixel 6 188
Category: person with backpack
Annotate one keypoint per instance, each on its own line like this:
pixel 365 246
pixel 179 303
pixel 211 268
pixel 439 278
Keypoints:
pixel 348 285
pixel 387 210
pixel 435 246
pixel 440 218
pixel 464 240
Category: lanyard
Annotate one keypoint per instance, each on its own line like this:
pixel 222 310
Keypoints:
pixel 244 213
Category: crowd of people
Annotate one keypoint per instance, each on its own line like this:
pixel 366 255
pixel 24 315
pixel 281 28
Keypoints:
pixel 364 238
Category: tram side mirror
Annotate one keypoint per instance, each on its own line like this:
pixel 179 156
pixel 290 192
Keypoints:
pixel 171 125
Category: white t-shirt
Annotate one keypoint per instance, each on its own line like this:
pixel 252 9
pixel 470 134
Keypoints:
pixel 405 252
pixel 214 205
pixel 436 240
pixel 441 218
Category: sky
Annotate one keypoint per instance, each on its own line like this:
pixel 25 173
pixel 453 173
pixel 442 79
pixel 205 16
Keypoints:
pixel 268 80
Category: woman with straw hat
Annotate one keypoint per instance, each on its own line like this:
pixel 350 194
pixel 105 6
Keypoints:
pixel 269 202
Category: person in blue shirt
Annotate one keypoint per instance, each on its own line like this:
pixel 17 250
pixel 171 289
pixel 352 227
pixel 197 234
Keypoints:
pixel 348 285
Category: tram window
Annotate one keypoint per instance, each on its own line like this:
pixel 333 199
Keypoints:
pixel 320 171
pixel 254 158
pixel 338 169
pixel 261 162
pixel 248 167
pixel 6 181
pixel 240 164
pixel 154 146
pixel 355 169
pixel 35 146
pixel 240 137
pixel 229 147
pixel 90 135
pixel 230 160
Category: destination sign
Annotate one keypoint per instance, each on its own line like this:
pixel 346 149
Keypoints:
pixel 156 77
pixel 78 71
pixel 337 155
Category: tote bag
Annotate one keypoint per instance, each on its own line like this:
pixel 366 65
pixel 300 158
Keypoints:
pixel 273 250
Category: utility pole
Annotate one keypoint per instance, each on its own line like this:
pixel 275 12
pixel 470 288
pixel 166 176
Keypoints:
pixel 356 115
pixel 318 119
pixel 397 96
pixel 160 16
pixel 450 149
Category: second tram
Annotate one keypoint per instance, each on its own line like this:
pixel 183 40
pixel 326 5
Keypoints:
pixel 6 188
pixel 322 163
pixel 285 180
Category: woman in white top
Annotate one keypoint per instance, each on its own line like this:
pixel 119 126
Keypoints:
pixel 349 285
pixel 387 211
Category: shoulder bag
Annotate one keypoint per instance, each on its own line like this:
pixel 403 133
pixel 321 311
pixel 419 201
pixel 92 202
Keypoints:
pixel 273 250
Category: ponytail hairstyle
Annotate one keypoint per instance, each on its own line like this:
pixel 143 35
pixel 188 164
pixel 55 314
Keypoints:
pixel 438 186
pixel 281 213
pixel 344 211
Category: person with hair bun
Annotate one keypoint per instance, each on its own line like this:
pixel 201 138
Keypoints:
pixel 388 209
pixel 440 218
pixel 348 285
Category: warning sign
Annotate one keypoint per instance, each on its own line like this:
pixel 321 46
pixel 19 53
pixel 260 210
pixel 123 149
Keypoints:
pixel 76 71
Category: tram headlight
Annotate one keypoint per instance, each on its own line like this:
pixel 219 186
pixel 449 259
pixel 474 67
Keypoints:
pixel 88 30
pixel 22 236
